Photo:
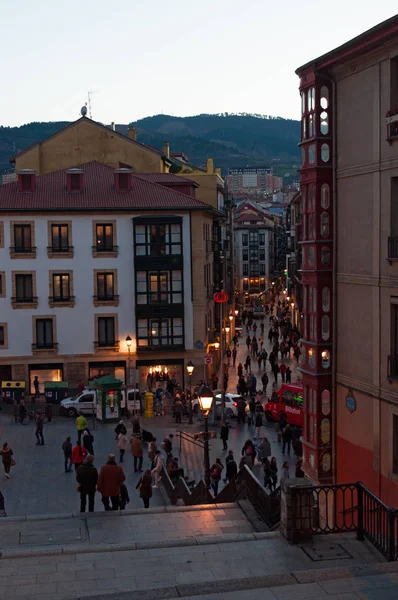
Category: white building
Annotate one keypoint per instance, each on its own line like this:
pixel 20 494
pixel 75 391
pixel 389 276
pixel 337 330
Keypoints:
pixel 89 257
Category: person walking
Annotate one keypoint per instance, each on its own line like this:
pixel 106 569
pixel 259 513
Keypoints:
pixel 111 477
pixel 152 447
pixel 240 370
pixel 136 449
pixel 215 475
pixel 145 487
pixel 225 381
pixel 122 445
pixel 87 478
pixel 259 424
pixel 39 429
pixel 248 342
pixel 288 375
pixel 120 428
pixel 67 450
pixel 264 450
pixel 78 455
pixel 287 436
pixel 48 411
pixel 6 456
pixel 231 467
pixel 224 433
pixel 264 381
pixel 36 386
pixel 228 354
pixel 178 409
pixel 273 468
pixel 282 370
pixel 157 468
pixel 234 355
pixel 267 474
pixel 275 370
pixel 241 411
pixel 248 363
pixel 81 425
pixel 88 441
pixel 285 471
pixel 252 408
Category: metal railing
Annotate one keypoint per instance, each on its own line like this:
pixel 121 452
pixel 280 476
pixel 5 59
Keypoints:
pixel 348 507
pixel 189 437
pixel 393 247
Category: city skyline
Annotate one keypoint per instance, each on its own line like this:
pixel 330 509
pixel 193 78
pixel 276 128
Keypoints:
pixel 185 62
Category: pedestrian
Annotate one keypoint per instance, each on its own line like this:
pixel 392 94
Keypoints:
pixel 88 441
pixel 248 363
pixel 288 375
pixel 145 488
pixel 254 384
pixel 36 386
pixel 285 471
pixel 167 444
pixel 275 370
pixel 120 428
pixel 249 450
pixel 48 411
pixel 214 381
pixel 152 447
pixel 22 411
pixel 248 342
pixel 231 466
pixel 282 370
pixel 67 450
pixel 158 466
pixel 252 408
pixel 81 425
pixel 136 425
pixel 287 436
pixel 241 411
pixel 264 450
pixel 259 424
pixel 261 342
pixel 39 429
pixel 264 381
pixel 273 467
pixel 255 327
pixel 178 409
pixel 87 478
pixel 267 474
pixel 224 433
pixel 234 355
pixel 225 381
pixel 136 449
pixel 6 456
pixel 81 386
pixel 215 475
pixel 111 477
pixel 228 354
pixel 79 454
pixel 235 340
pixel 240 369
pixel 122 445
pixel 124 497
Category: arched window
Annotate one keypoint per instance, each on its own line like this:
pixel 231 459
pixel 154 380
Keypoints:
pixel 325 401
pixel 303 100
pixel 311 197
pixel 311 357
pixel 325 328
pixel 314 300
pixel 302 156
pixel 325 256
pixel 311 126
pixel 324 122
pixel 311 153
pixel 325 358
pixel 304 128
pixel 324 224
pixel 325 196
pixel 311 256
pixel 324 97
pixel 311 229
pixel 325 153
pixel 325 299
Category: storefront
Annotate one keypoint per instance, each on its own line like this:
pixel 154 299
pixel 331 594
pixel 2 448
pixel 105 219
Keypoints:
pixel 155 373
pixel 44 372
pixel 115 369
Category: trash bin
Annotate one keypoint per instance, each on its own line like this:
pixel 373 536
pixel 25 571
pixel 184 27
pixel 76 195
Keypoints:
pixel 55 391
pixel 148 404
pixel 13 391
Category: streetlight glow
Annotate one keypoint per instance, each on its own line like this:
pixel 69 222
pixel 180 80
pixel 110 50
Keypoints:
pixel 190 367
pixel 230 318
pixel 227 329
pixel 236 312
pixel 205 397
pixel 128 342
pixel 216 345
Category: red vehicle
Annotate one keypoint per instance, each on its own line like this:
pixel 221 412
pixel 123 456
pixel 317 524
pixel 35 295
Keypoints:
pixel 287 400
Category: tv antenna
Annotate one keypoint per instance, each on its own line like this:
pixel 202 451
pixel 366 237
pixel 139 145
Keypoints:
pixel 89 94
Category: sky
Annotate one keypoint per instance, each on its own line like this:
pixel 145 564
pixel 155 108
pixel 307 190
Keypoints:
pixel 141 58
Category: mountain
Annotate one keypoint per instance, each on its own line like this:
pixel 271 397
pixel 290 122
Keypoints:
pixel 231 140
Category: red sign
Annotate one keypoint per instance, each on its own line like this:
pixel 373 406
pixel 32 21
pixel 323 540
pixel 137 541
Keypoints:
pixel 208 359
pixel 220 297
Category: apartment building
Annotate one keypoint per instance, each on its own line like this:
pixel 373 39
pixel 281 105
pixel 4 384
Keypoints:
pixel 91 257
pixel 349 254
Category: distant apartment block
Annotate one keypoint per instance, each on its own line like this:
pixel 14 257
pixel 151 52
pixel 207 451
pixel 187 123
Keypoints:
pixel 255 180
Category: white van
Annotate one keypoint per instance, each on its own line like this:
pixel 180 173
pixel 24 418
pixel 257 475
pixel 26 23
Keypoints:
pixel 85 402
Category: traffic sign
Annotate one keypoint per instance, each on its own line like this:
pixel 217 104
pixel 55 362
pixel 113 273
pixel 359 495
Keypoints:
pixel 220 297
pixel 208 359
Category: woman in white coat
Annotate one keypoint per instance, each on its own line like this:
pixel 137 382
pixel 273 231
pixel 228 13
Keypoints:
pixel 122 445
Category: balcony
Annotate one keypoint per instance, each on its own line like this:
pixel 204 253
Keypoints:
pixel 107 345
pixel 22 252
pixel 392 125
pixel 100 300
pixel 393 248
pixel 392 368
pixel 60 252
pixel 24 302
pixel 105 251
pixel 54 301
pixel 45 348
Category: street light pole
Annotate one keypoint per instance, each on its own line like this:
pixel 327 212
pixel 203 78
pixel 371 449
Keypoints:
pixel 190 369
pixel 206 397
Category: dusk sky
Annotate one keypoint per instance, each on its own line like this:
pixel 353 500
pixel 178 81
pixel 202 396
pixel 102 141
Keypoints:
pixel 179 58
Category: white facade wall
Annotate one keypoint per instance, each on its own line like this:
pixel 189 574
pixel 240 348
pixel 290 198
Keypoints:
pixel 75 326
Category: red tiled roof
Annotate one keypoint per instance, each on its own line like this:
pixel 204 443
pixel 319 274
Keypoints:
pixel 166 178
pixel 98 194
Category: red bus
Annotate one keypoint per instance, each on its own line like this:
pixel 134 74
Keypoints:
pixel 287 400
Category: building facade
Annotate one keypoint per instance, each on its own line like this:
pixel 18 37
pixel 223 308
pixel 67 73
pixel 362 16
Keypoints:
pixel 94 255
pixel 349 200
pixel 254 180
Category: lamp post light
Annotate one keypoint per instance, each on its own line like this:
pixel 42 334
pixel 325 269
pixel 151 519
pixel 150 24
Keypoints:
pixel 236 312
pixel 206 397
pixel 128 342
pixel 190 370
pixel 230 318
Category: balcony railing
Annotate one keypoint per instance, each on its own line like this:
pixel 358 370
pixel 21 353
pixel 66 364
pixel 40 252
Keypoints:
pixel 58 300
pixel 31 250
pixel 24 300
pixel 392 367
pixel 393 247
pixel 108 298
pixel 105 249
pixel 59 250
pixel 45 346
pixel 107 344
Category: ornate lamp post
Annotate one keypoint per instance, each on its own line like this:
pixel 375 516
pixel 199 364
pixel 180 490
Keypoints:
pixel 206 398
pixel 128 342
pixel 190 370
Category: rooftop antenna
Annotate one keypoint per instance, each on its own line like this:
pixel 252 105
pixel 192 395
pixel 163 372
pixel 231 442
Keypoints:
pixel 89 94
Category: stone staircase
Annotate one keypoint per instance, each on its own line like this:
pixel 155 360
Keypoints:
pixel 180 552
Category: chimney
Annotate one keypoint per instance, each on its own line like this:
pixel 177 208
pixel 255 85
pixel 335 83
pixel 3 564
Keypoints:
pixel 209 166
pixel 123 180
pixel 26 180
pixel 74 180
pixel 132 133
pixel 166 149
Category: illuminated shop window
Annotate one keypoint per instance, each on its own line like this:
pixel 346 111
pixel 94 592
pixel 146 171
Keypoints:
pixel 324 118
pixel 326 299
pixel 311 357
pixel 325 196
pixel 325 328
pixel 325 359
pixel 311 153
pixel 325 153
pixel 324 224
pixel 325 256
pixel 324 100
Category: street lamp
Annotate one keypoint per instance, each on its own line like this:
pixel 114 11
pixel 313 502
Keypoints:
pixel 128 342
pixel 227 329
pixel 190 370
pixel 230 318
pixel 206 397
pixel 236 312
pixel 216 345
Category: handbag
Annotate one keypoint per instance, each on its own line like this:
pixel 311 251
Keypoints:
pixel 13 462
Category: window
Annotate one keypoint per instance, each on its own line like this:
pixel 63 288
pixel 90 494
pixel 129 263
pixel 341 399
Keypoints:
pixel 303 102
pixel 245 285
pixel 325 152
pixel 61 287
pixel 155 333
pixel 311 228
pixel 311 357
pixel 314 300
pixel 395 444
pixel 324 224
pixel 262 239
pixel 311 256
pixel 158 240
pixel 325 299
pixel 44 334
pixel 162 287
pixel 393 358
pixel 3 336
pixel 324 123
pixel 311 99
pixel 325 255
pixel 22 238
pixel 245 269
pixel 1 234
pixel 24 288
pixel 311 127
pixel 106 331
pixel 60 238
pixel 311 154
pixel 325 328
pixel 104 237
pixel 261 254
pixel 105 286
pixel 325 196
pixel 2 284
pixel 245 254
pixel 262 269
pixel 325 355
pixel 394 82
pixel 245 239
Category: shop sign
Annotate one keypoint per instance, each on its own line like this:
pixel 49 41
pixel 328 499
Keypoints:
pixel 208 359
pixel 220 297
pixel 199 344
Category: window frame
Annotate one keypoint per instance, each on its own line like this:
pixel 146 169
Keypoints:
pixel 23 302
pixel 159 322
pixel 3 284
pixel 148 245
pixel 4 328
pixel 101 345
pixel 107 251
pixel 172 289
pixel 22 252
pixel 51 347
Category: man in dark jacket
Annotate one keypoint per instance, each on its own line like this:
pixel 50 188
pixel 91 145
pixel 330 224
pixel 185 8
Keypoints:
pixel 67 450
pixel 87 477
pixel 241 411
pixel 39 429
pixel 287 437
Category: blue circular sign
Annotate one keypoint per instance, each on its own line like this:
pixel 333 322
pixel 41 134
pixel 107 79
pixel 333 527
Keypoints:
pixel 351 403
pixel 199 345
